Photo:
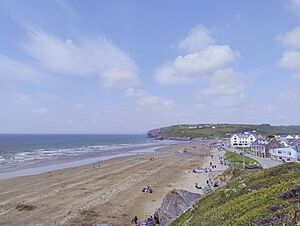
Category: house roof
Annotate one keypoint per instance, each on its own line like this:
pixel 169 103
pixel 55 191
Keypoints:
pixel 261 142
pixel 244 135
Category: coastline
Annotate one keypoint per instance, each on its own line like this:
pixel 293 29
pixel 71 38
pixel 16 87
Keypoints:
pixel 71 163
pixel 110 193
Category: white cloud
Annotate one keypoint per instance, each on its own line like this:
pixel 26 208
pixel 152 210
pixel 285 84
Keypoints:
pixel 20 97
pixel 225 89
pixel 78 106
pixel 66 7
pixel 291 39
pixel 198 38
pixel 119 76
pixel 209 64
pixel 290 58
pixel 87 57
pixel 289 61
pixel 200 64
pixel 290 96
pixel 40 111
pixel 295 5
pixel 148 101
pixel 15 69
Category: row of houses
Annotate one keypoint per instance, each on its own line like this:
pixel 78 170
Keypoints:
pixel 284 148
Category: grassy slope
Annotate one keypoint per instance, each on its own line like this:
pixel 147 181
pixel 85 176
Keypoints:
pixel 251 198
pixel 237 158
pixel 221 130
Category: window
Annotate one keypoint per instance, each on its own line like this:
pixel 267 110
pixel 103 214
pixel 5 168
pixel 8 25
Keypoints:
pixel 279 152
pixel 288 159
pixel 290 153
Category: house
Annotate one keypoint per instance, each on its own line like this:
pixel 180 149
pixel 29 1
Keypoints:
pixel 242 140
pixel 289 137
pixel 286 154
pixel 261 147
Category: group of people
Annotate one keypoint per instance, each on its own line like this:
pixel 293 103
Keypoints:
pixel 201 170
pixel 223 161
pixel 212 166
pixel 147 189
pixel 210 183
pixel 149 222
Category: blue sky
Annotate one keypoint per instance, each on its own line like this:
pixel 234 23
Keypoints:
pixel 129 66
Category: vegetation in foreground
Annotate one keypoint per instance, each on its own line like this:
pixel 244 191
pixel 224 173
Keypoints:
pixel 263 197
pixel 219 130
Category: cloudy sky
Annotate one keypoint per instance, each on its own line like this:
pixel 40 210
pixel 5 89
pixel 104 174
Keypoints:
pixel 129 66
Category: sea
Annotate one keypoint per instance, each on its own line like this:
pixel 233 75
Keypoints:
pixel 29 154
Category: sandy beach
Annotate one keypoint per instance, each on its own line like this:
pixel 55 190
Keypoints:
pixel 110 193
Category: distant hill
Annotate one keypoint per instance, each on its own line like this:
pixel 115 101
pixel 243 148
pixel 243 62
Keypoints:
pixel 189 131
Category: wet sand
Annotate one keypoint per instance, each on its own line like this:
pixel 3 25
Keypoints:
pixel 110 193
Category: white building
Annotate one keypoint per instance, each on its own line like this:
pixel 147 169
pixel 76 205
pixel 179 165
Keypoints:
pixel 285 154
pixel 242 140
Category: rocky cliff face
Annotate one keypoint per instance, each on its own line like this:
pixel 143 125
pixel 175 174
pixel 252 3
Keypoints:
pixel 160 134
pixel 174 204
pixel 155 133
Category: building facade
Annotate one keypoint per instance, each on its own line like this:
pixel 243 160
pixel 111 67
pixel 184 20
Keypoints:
pixel 259 148
pixel 242 140
pixel 285 154
pixel 262 147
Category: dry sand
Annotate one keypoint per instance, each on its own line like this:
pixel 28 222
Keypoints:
pixel 109 194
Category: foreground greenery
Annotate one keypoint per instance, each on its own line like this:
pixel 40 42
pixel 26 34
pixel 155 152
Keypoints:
pixel 261 197
pixel 220 130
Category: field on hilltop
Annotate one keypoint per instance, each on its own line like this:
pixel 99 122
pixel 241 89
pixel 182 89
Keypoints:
pixel 218 130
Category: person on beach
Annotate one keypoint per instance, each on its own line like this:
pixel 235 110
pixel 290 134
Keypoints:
pixel 156 218
pixel 197 186
pixel 150 221
pixel 135 220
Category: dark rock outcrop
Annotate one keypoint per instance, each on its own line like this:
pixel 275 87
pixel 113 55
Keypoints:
pixel 291 194
pixel 21 207
pixel 155 134
pixel 174 204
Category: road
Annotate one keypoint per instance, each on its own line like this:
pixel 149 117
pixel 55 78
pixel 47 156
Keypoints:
pixel 264 162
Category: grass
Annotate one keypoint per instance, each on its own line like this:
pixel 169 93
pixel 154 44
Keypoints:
pixel 246 149
pixel 249 198
pixel 238 159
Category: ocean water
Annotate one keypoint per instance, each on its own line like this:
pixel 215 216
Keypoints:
pixel 21 152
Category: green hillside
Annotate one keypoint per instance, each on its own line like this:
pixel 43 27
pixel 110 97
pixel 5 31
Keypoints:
pixel 219 130
pixel 262 197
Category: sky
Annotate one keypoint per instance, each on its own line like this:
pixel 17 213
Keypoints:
pixel 129 66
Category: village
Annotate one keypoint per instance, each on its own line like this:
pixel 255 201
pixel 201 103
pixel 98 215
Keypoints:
pixel 282 148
